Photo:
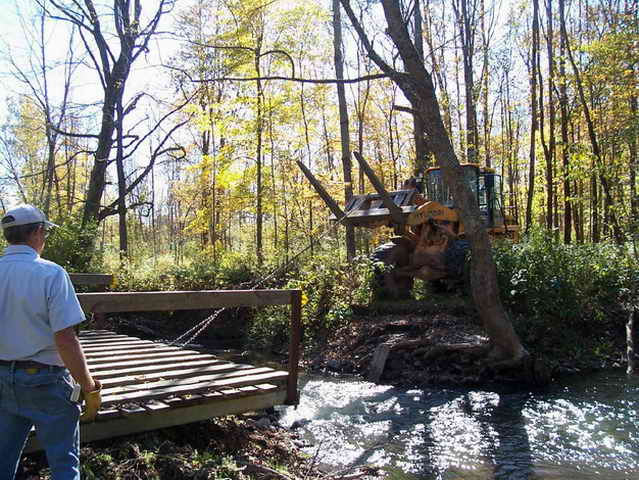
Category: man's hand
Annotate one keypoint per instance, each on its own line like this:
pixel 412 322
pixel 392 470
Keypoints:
pixel 92 402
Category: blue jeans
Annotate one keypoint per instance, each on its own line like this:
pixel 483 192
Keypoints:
pixel 41 398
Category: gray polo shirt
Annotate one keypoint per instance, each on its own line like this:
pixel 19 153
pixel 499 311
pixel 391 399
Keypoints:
pixel 37 299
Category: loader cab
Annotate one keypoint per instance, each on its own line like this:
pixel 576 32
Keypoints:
pixel 483 182
pixel 438 191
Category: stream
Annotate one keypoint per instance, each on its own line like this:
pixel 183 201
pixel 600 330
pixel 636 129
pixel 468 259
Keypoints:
pixel 583 427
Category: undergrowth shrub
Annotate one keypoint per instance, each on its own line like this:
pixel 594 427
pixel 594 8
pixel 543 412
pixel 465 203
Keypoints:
pixel 69 245
pixel 562 293
pixel 199 273
pixel 330 287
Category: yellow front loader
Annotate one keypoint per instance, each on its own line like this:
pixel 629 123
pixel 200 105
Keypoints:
pixel 429 239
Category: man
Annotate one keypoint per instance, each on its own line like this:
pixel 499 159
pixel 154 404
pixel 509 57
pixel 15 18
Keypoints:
pixel 40 355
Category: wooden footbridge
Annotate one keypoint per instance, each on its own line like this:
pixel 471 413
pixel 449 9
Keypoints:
pixel 148 385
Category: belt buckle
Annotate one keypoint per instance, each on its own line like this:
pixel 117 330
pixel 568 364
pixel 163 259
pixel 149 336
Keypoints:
pixel 31 370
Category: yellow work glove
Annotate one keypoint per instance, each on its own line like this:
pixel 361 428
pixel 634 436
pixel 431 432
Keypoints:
pixel 92 402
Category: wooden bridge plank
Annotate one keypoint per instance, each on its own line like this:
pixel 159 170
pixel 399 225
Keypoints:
pixel 108 363
pixel 132 410
pixel 166 382
pixel 91 278
pixel 99 335
pixel 134 354
pixel 123 343
pixel 136 368
pixel 106 344
pixel 192 388
pixel 155 406
pixel 118 348
pixel 143 378
pixel 97 339
pixel 112 341
pixel 135 349
pixel 267 387
pixel 90 339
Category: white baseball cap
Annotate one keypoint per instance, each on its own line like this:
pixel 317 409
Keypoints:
pixel 25 215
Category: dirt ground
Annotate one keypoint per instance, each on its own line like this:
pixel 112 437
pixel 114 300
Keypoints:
pixel 441 342
pixel 434 343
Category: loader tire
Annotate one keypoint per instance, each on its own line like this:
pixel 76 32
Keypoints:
pixel 456 258
pixel 387 285
pixel 457 262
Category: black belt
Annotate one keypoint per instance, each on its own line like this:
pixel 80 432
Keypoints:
pixel 26 364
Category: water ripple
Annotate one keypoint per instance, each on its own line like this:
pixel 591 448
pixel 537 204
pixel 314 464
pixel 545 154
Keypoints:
pixel 584 428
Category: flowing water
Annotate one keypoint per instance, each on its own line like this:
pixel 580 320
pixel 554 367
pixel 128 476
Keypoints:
pixel 581 428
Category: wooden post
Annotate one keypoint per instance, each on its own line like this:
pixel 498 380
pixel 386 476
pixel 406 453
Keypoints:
pixel 292 395
pixel 100 281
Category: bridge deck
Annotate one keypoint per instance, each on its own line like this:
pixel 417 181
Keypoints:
pixel 148 385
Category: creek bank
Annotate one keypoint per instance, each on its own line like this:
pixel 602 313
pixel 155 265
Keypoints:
pixel 441 342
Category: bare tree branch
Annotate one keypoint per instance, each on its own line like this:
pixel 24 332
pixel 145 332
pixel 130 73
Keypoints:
pixel 364 78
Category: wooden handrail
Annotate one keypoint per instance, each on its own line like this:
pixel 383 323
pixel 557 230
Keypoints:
pixel 91 279
pixel 112 302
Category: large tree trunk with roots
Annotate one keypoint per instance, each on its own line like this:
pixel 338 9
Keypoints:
pixel 417 85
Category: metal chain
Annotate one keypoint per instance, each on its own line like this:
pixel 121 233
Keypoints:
pixel 200 327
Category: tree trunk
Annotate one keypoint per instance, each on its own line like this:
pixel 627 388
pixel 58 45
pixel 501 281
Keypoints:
pixel 563 106
pixel 533 114
pixel 417 85
pixel 437 70
pixel 550 154
pixel 595 228
pixel 273 179
pixel 258 156
pixel 97 181
pixel 630 342
pixel 467 27
pixel 343 123
pixel 487 120
pixel 122 227
pixel 632 159
pixel 421 147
